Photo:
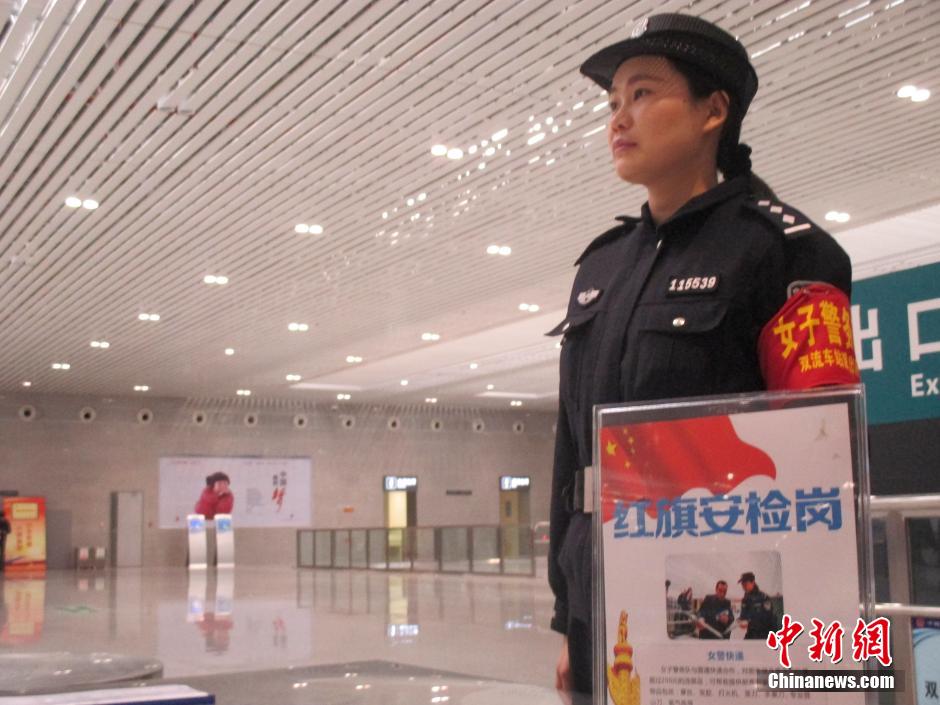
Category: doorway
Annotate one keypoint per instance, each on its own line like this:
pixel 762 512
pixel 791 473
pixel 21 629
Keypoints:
pixel 514 522
pixel 127 529
pixel 401 516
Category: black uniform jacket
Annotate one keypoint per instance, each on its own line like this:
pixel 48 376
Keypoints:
pixel 675 311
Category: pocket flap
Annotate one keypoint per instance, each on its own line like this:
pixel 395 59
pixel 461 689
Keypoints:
pixel 682 316
pixel 573 321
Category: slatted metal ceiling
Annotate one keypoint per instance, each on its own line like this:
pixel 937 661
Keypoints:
pixel 208 130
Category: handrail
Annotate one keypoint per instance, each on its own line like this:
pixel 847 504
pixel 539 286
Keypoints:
pixel 905 503
pixel 896 609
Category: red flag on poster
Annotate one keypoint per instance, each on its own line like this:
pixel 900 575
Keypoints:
pixel 666 459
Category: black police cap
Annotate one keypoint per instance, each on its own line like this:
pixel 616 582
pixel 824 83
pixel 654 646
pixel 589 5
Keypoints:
pixel 746 577
pixel 688 39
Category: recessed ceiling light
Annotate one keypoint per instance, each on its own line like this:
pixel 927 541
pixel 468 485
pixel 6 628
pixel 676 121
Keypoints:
pixel 535 139
pixel 61 366
pixel 473 365
pixel 505 251
pixel 490 387
pixel 344 397
pixel 301 228
pixel 500 135
pixel 455 153
pixel 148 317
pixel 353 359
pixel 837 216
pixel 298 327
pixel 141 388
pixel 472 149
pixel 490 151
pixel 422 196
pixel 439 150
pixel 316 229
pixel 27 384
pixel 73 201
pixel 243 392
pixel 229 351
pixel 916 95
pixel 578 105
pixel 404 383
pixel 103 344
pixel 215 279
pixel 293 378
pixel 430 400
pixel 597 129
pixel 492 250
pixel 515 402
pixel 523 307
pixel 431 337
pixel 89 204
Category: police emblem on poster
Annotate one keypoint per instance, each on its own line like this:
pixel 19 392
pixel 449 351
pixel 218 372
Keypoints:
pixel 730 541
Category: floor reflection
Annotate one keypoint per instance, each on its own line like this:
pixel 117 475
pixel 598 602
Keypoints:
pixel 250 618
pixel 23 611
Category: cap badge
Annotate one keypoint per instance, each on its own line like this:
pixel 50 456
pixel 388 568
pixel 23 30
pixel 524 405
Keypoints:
pixel 589 296
pixel 639 28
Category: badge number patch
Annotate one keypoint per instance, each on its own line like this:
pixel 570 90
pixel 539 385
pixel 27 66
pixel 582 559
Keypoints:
pixel 692 285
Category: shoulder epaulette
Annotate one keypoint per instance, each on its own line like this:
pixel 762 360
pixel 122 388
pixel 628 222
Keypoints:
pixel 787 219
pixel 627 224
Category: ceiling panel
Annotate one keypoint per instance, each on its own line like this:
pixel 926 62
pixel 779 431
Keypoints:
pixel 208 130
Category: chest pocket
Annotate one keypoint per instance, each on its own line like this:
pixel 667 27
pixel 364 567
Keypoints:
pixel 676 349
pixel 577 344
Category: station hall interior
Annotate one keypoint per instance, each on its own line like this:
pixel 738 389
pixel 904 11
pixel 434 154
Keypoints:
pixel 318 245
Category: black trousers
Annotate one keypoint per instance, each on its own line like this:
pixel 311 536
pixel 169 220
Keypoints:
pixel 576 563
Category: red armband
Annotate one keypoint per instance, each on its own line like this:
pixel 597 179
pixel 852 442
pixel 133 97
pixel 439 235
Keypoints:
pixel 808 343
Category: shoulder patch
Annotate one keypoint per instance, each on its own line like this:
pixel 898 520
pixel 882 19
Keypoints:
pixel 786 219
pixel 628 224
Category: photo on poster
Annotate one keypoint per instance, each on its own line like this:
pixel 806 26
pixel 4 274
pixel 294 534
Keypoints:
pixel 730 596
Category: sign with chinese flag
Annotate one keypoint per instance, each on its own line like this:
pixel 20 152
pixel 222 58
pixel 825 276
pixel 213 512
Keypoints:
pixel 26 544
pixel 729 545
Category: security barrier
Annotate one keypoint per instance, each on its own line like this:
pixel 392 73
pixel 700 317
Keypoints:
pixel 499 550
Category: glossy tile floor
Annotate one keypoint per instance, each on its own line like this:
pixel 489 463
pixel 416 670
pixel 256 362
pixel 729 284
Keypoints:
pixel 270 619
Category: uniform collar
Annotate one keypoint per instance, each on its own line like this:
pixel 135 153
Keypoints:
pixel 704 201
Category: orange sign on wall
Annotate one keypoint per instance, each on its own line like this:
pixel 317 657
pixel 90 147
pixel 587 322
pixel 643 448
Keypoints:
pixel 26 544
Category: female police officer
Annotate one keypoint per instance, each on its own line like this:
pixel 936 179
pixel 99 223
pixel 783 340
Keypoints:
pixel 716 288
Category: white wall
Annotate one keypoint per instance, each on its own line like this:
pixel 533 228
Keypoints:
pixel 76 465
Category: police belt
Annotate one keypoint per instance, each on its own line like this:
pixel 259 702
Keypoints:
pixel 582 491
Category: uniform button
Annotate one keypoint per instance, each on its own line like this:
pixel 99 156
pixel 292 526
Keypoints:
pixel 678 322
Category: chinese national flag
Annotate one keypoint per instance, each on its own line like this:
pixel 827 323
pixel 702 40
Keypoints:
pixel 666 459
